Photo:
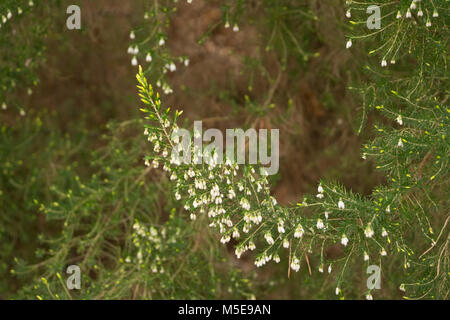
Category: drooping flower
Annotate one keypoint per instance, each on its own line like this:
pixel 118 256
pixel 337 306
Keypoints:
pixel 319 224
pixel 348 44
pixel 344 240
pixel 408 14
pixel 269 238
pixel 299 231
pixel 368 232
pixel 366 256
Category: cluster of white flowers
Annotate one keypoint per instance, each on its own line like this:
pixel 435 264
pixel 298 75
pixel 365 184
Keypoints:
pixel 295 264
pixel 320 192
pixel 262 260
pixel 414 5
pixel 8 15
pixel 148 242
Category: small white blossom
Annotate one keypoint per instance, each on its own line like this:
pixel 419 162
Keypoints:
pixel 368 232
pixel 366 256
pixel 269 238
pixel 281 227
pixel 348 44
pixel 299 231
pixel 344 240
pixel 341 204
pixel 399 119
pixel 408 14
pixel 319 224
pixel 400 143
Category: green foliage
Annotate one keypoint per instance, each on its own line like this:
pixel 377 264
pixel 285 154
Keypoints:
pixel 81 195
pixel 126 240
pixel 386 224
pixel 22 46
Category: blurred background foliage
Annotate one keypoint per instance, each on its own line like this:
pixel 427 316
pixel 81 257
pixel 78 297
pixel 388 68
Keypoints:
pixel 73 188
